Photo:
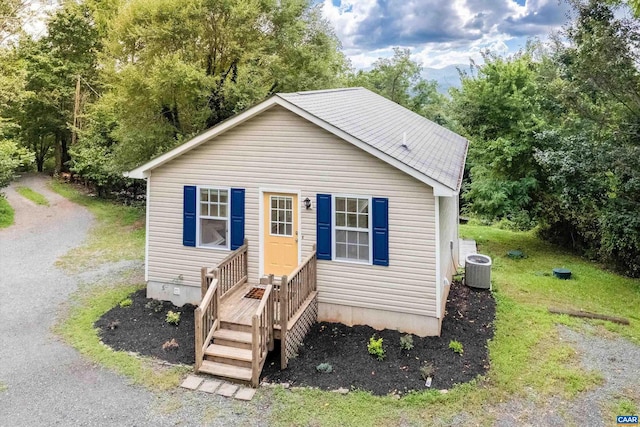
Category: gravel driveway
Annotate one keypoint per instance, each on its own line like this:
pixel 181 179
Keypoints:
pixel 47 382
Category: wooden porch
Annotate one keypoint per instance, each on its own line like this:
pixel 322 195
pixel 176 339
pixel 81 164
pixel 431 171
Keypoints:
pixel 234 332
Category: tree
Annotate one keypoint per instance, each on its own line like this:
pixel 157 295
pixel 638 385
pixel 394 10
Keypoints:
pixel 399 79
pixel 54 64
pixel 500 112
pixel 178 67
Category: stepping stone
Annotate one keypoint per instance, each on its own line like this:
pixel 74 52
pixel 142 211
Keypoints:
pixel 191 382
pixel 245 393
pixel 227 390
pixel 209 386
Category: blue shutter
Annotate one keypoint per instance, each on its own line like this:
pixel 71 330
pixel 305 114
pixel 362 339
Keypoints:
pixel 380 214
pixel 189 216
pixel 323 226
pixel 237 218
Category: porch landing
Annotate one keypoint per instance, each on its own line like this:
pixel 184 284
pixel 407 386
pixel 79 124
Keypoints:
pixel 237 309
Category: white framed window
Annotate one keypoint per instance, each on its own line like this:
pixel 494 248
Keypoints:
pixel 352 237
pixel 281 216
pixel 213 217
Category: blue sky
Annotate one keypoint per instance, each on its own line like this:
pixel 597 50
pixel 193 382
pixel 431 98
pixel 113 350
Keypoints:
pixel 439 32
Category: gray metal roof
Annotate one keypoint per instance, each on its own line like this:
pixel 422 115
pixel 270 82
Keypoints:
pixel 430 148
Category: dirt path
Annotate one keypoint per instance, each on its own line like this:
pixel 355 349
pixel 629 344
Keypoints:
pixel 42 380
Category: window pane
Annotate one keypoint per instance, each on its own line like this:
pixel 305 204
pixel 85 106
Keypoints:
pixel 213 196
pixel 280 216
pixel 223 210
pixel 352 220
pixel 363 221
pixel 363 238
pixel 274 228
pixel 288 230
pixel 352 205
pixel 288 216
pixel 288 204
pixel 280 203
pixel 340 219
pixel 274 203
pixel 363 205
pixel 340 204
pixel 204 195
pixel 204 209
pixel 352 237
pixel 213 232
pixel 341 250
pixel 341 236
pixel 352 251
pixel 223 196
pixel 364 253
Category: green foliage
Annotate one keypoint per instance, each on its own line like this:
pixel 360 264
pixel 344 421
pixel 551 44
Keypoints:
pixel 399 79
pixel 456 346
pixel 118 234
pixel 375 348
pixel 127 302
pixel 32 195
pixel 325 368
pixel 426 370
pixel 156 305
pixel 175 68
pixel 12 157
pixel 173 317
pixel 406 342
pixel 6 212
pixel 499 110
pixel 78 330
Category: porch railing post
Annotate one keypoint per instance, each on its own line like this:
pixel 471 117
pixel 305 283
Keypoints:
pixel 284 318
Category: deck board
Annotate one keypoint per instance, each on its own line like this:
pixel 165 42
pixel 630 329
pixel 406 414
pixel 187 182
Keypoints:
pixel 236 308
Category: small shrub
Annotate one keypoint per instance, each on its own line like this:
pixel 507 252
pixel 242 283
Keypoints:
pixel 155 305
pixel 406 342
pixel 426 370
pixel 173 317
pixel 325 368
pixel 127 302
pixel 456 346
pixel 375 347
pixel 172 344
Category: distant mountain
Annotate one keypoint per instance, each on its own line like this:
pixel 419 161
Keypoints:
pixel 446 77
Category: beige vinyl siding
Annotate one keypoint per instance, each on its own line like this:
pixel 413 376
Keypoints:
pixel 448 233
pixel 279 150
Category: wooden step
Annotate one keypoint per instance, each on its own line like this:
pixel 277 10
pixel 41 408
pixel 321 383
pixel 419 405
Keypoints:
pixel 226 371
pixel 235 326
pixel 232 338
pixel 226 352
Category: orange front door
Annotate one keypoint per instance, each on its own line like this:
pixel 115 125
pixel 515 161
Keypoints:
pixel 280 233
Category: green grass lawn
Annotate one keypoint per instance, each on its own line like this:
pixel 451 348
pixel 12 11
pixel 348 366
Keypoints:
pixel 32 195
pixel 118 234
pixel 6 213
pixel 527 357
pixel 88 305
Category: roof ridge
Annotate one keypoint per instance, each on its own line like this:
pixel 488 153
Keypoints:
pixel 311 92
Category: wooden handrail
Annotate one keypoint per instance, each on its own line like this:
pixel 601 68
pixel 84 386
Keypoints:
pixel 261 334
pixel 233 271
pixel 206 321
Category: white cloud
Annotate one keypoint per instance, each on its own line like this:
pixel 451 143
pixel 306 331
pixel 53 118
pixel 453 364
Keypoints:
pixel 438 33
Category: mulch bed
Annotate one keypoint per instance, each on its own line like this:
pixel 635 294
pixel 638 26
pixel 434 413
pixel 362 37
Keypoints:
pixel 469 320
pixel 144 330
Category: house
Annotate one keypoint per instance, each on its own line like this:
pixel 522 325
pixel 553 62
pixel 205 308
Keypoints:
pixel 349 195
